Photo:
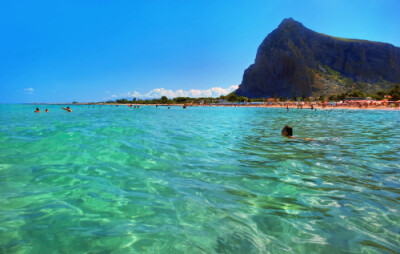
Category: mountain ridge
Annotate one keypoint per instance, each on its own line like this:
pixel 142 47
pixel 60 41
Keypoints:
pixel 294 60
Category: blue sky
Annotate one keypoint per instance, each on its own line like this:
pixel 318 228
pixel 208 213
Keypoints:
pixel 64 51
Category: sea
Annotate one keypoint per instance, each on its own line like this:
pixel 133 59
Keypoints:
pixel 107 179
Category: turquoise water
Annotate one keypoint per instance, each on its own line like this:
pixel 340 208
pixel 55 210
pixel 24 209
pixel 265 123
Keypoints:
pixel 199 180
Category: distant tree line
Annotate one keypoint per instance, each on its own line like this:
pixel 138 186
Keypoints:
pixel 232 97
pixel 394 93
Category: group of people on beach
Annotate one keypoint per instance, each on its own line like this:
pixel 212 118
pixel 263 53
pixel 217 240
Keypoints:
pixel 46 110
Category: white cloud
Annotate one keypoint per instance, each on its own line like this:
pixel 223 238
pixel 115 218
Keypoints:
pixel 193 93
pixel 28 90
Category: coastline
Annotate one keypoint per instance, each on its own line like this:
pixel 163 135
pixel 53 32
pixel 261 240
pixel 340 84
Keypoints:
pixel 305 107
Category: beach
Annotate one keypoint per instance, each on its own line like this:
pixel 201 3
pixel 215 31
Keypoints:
pixel 290 105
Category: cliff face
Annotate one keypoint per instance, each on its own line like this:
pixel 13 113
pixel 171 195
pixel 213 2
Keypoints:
pixel 294 59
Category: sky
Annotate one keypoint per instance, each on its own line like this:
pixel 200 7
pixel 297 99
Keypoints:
pixel 91 51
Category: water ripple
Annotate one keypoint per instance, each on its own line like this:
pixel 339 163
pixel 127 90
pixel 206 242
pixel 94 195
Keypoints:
pixel 199 180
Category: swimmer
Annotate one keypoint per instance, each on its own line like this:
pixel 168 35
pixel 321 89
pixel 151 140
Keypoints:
pixel 287 108
pixel 67 109
pixel 287 131
pixel 37 110
pixel 312 107
pixel 46 110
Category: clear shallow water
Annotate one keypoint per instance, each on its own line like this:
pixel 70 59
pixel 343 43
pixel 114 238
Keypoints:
pixel 199 180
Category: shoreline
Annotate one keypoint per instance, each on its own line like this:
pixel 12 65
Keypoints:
pixel 306 107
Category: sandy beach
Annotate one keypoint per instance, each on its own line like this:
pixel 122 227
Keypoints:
pixel 291 106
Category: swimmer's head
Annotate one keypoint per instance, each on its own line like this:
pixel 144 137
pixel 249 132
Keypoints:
pixel 287 131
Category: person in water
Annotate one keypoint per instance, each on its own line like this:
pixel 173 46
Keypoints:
pixel 287 131
pixel 67 109
pixel 37 110
pixel 46 110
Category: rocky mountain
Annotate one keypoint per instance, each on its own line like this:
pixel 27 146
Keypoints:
pixel 295 60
